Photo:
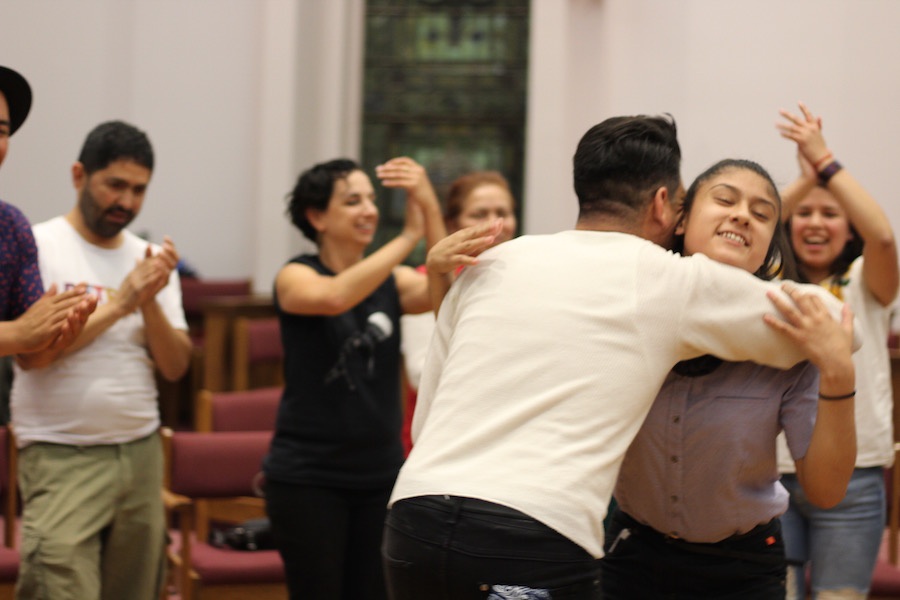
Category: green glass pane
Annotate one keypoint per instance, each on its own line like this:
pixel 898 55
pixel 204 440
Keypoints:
pixel 445 83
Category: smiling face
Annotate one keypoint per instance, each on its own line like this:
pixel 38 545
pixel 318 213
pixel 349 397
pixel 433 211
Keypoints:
pixel 352 215
pixel 732 219
pixel 819 232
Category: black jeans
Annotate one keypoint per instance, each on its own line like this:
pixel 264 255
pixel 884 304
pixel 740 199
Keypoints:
pixel 329 540
pixel 641 562
pixel 452 548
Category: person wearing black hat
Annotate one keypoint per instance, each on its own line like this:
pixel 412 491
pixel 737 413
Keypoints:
pixel 17 97
pixel 33 324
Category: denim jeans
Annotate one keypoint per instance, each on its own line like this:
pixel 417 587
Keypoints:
pixel 839 544
pixel 452 548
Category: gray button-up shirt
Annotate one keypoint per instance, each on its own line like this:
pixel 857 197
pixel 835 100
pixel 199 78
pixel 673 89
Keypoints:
pixel 703 465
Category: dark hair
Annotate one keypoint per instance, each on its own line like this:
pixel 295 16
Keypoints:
pixel 113 141
pixel 464 185
pixel 779 258
pixel 840 265
pixel 313 190
pixel 621 161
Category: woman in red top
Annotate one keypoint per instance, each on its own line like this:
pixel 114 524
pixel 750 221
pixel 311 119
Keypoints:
pixel 477 197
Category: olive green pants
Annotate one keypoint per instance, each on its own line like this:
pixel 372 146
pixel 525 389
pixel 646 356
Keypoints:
pixel 93 526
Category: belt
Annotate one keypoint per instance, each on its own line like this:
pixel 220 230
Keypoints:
pixel 720 548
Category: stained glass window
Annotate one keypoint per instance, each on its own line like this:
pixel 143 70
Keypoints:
pixel 445 83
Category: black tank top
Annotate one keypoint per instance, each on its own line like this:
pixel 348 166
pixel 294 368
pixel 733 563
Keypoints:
pixel 340 415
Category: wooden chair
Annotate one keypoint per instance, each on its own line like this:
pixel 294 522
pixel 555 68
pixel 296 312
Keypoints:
pixel 242 410
pixel 216 465
pixel 195 293
pixel 886 577
pixel 257 353
pixel 892 480
pixel 247 410
pixel 9 556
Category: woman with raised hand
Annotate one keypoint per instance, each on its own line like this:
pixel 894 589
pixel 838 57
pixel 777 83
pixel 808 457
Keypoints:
pixel 336 449
pixel 843 241
pixel 473 198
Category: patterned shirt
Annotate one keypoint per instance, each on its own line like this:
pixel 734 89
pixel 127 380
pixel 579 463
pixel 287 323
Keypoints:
pixel 20 277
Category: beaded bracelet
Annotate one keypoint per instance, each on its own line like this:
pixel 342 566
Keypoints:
pixel 828 172
pixel 841 397
pixel 823 160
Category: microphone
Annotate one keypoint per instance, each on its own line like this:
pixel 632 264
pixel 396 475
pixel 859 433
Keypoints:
pixel 378 328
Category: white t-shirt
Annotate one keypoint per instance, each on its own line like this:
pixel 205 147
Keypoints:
pixel 105 393
pixel 874 402
pixel 547 355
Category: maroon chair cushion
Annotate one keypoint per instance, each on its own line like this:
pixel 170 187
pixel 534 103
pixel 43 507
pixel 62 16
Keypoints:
pixel 885 580
pixel 195 291
pixel 4 458
pixel 264 340
pixel 248 410
pixel 227 566
pixel 217 464
pixel 9 564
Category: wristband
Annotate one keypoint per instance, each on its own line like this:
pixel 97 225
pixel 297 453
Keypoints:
pixel 841 397
pixel 828 172
pixel 818 164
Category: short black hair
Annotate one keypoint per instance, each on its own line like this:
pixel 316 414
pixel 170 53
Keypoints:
pixel 113 141
pixel 313 190
pixel 620 161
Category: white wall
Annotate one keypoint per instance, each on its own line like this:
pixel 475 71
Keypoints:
pixel 722 68
pixel 239 95
pixel 185 72
pixel 222 87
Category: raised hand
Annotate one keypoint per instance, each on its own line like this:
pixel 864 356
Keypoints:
pixel 461 248
pixel 406 174
pixel 806 131
pixel 421 201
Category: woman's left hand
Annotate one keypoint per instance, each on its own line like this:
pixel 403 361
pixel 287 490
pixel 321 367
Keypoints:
pixel 406 174
pixel 806 131
pixel 460 249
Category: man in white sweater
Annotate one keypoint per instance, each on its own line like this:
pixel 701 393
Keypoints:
pixel 545 360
